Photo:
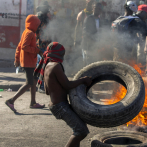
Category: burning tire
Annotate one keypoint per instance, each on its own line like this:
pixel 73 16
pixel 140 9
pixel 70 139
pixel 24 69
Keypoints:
pixel 123 139
pixel 109 115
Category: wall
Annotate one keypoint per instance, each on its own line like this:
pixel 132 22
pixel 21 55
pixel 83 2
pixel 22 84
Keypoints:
pixel 12 17
pixel 13 14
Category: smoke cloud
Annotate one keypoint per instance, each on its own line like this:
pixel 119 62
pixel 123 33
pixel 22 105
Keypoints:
pixel 62 29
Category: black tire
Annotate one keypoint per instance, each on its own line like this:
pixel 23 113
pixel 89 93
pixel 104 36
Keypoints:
pixel 109 115
pixel 121 139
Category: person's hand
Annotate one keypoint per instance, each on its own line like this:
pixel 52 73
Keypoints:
pixel 87 81
pixel 74 44
pixel 16 64
pixel 41 53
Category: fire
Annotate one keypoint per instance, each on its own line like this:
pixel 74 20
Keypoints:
pixel 119 95
pixel 141 118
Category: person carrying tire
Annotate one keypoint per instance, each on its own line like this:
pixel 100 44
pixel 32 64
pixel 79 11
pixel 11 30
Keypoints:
pixel 57 86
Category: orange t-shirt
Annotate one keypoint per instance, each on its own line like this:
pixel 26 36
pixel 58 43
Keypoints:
pixel 26 51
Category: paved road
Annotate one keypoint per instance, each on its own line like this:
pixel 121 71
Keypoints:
pixel 35 127
pixel 9 79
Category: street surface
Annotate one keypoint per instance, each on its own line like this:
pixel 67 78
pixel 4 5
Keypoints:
pixel 35 127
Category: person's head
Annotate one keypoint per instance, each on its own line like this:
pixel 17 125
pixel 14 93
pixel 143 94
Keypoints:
pixel 142 12
pixel 43 7
pixel 45 3
pixel 32 22
pixel 97 9
pixel 55 51
pixel 89 4
pixel 130 7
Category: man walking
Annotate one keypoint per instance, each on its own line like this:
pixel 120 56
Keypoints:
pixel 133 35
pixel 26 56
pixel 80 20
pixel 43 38
pixel 125 48
pixel 91 31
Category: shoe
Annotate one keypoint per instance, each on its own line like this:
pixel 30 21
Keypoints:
pixel 41 90
pixel 11 106
pixel 37 106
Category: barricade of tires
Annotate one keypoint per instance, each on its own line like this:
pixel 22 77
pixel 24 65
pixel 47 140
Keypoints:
pixel 120 139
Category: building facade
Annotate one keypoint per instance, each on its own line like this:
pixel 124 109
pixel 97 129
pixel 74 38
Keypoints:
pixel 13 14
pixel 12 23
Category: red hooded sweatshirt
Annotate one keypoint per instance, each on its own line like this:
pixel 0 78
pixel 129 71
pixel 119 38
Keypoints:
pixel 26 51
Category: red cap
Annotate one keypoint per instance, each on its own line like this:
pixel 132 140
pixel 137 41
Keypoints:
pixel 142 8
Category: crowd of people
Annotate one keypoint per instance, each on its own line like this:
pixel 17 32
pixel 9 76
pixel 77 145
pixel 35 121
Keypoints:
pixel 127 38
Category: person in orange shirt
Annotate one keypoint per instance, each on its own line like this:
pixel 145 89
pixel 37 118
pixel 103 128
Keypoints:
pixel 26 57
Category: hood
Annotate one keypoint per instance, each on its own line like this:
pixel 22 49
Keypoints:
pixel 32 22
pixel 55 52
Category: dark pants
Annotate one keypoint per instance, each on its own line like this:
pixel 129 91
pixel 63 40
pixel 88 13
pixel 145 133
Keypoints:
pixel 29 75
pixel 64 111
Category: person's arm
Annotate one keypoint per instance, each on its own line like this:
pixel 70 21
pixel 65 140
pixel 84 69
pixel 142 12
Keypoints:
pixel 26 44
pixel 75 37
pixel 17 55
pixel 65 83
pixel 145 49
pixel 77 29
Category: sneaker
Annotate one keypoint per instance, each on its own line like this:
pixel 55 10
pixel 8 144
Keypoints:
pixel 41 90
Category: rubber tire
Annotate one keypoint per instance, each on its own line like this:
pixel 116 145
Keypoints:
pixel 109 115
pixel 98 140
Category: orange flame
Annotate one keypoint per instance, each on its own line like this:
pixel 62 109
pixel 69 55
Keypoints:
pixel 117 96
pixel 141 118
